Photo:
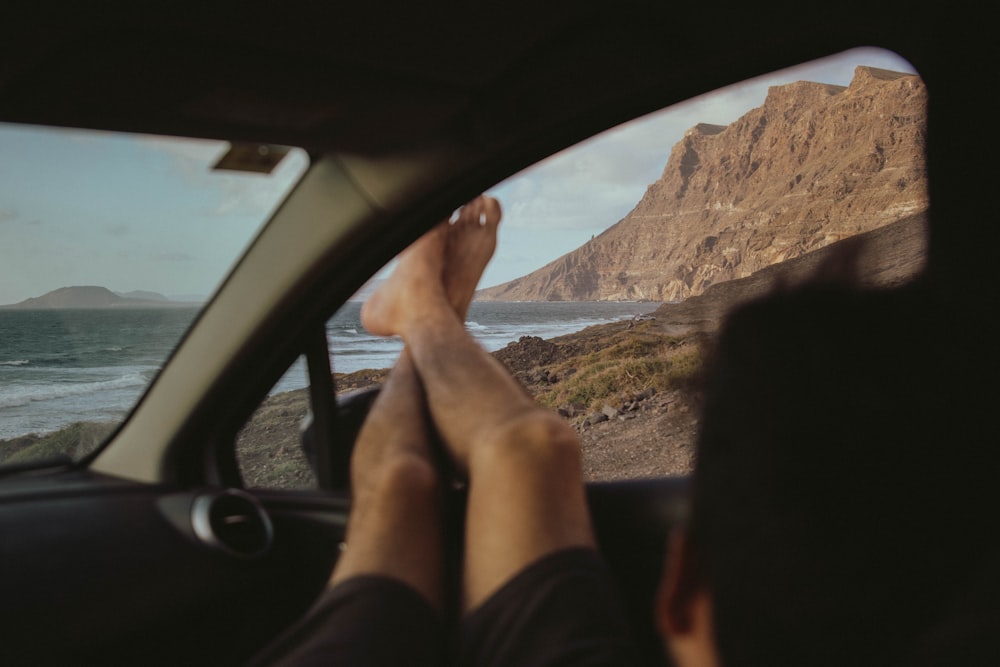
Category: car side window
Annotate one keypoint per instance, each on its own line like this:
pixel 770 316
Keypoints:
pixel 656 229
pixel 269 447
pixel 111 244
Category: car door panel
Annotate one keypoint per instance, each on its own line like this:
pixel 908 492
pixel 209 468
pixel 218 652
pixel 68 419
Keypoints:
pixel 106 571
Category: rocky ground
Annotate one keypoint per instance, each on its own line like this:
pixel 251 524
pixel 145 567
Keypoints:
pixel 655 441
pixel 641 431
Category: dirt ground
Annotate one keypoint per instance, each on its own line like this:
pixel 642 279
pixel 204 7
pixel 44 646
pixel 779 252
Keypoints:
pixel 653 439
pixel 657 440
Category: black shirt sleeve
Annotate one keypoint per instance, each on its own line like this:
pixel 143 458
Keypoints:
pixel 562 610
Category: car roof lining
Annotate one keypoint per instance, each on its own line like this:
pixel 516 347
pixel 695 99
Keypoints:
pixel 473 75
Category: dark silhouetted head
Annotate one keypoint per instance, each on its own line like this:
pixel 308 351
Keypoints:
pixel 845 489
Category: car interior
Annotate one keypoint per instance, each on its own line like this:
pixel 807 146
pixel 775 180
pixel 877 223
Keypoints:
pixel 153 550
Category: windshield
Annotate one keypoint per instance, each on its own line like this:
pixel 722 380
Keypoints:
pixel 111 244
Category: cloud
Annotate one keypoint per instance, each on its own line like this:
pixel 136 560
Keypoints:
pixel 257 194
pixel 230 193
pixel 254 194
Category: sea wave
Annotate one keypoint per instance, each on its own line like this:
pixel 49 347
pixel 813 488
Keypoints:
pixel 19 395
pixel 15 362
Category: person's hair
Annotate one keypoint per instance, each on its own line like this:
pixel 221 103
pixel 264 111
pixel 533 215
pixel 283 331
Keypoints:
pixel 844 485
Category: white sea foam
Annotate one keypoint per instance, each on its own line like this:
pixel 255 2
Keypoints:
pixel 16 395
pixel 94 370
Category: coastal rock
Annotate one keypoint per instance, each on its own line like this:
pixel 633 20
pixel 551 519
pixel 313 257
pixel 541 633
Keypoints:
pixel 813 165
pixel 595 418
pixel 527 354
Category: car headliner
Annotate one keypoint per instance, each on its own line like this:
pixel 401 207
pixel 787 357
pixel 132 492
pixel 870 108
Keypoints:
pixel 380 76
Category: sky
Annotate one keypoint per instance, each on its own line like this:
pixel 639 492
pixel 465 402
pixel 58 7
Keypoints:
pixel 121 212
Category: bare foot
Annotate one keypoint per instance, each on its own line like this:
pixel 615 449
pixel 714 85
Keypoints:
pixel 472 238
pixel 413 290
pixel 441 267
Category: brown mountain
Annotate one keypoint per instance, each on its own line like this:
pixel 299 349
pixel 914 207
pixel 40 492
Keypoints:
pixel 815 164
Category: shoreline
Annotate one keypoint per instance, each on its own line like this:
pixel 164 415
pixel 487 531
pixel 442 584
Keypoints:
pixel 622 386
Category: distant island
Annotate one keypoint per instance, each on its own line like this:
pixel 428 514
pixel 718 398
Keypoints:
pixel 91 297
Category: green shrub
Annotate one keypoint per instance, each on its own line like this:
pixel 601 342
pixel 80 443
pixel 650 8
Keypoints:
pixel 74 441
pixel 626 367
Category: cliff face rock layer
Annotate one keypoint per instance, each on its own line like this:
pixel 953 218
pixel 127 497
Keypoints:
pixel 814 164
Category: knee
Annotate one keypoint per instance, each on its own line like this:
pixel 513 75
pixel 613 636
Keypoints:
pixel 538 441
pixel 406 477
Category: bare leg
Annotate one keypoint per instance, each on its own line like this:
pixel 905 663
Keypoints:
pixel 526 497
pixel 395 524
pixel 396 505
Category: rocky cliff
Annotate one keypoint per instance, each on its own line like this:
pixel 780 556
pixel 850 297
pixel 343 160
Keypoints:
pixel 814 164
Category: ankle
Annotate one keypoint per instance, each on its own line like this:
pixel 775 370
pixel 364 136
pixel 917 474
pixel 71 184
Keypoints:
pixel 432 322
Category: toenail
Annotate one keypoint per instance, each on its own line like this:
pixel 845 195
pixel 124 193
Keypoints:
pixel 482 219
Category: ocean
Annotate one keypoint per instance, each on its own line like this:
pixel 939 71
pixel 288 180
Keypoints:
pixel 62 366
